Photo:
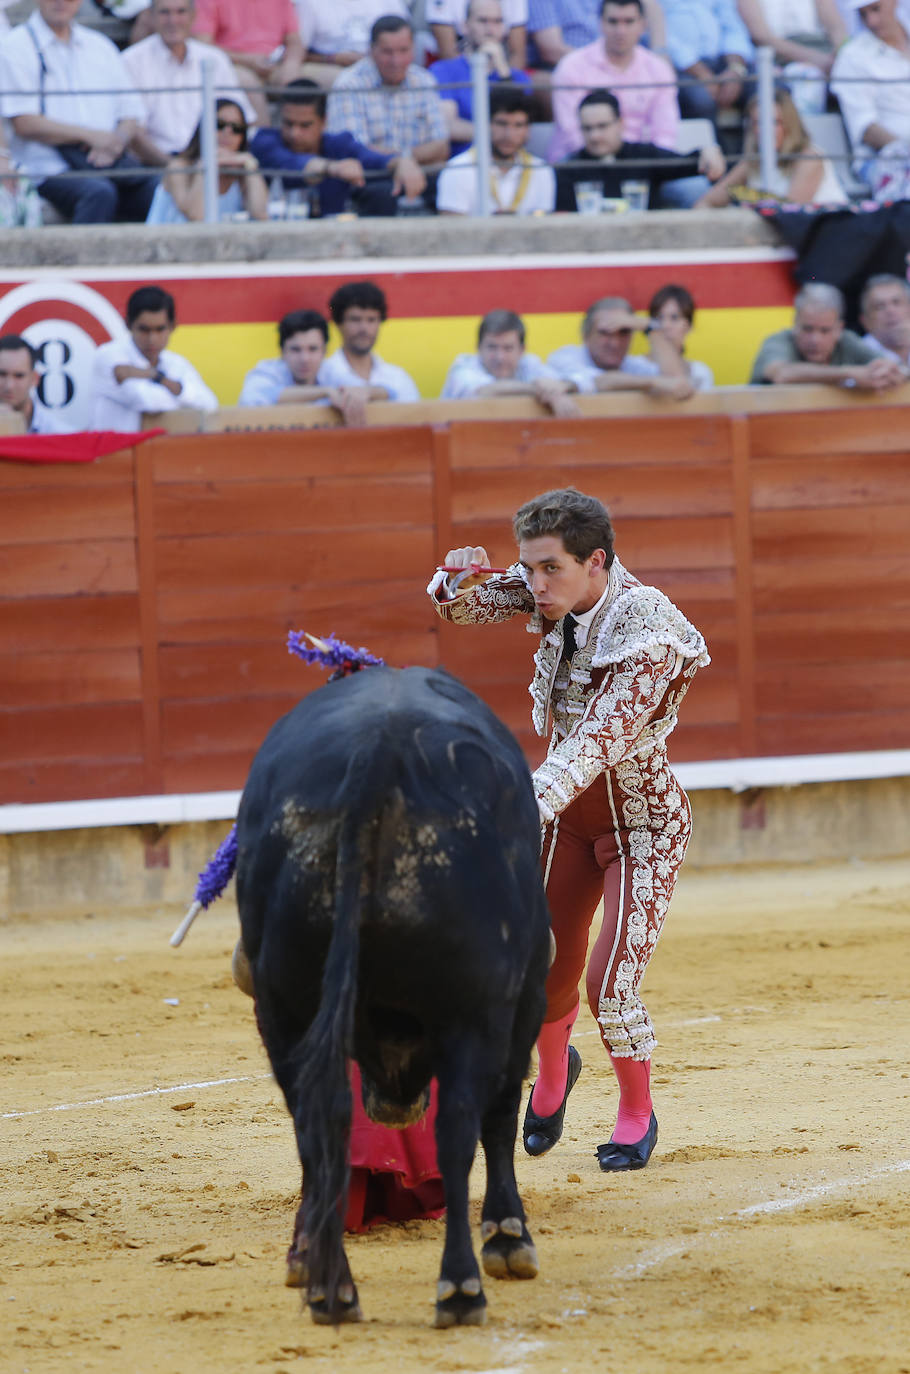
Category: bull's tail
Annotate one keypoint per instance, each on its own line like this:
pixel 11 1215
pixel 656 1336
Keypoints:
pixel 324 1093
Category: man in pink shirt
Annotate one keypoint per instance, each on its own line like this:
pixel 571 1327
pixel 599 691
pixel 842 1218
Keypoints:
pixel 643 83
pixel 262 40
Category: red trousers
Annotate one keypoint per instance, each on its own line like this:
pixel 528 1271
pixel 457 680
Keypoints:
pixel 623 839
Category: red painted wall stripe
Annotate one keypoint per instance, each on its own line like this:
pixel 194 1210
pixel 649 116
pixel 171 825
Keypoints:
pixel 210 299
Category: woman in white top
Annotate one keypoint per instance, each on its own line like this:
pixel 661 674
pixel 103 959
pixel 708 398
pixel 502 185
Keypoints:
pixel 674 310
pixel 801 174
pixel 241 186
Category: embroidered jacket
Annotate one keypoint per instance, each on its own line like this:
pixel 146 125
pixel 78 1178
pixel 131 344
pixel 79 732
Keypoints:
pixel 617 699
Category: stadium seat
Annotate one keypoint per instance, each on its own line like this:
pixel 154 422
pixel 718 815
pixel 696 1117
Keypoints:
pixel 829 135
pixel 539 140
pixel 694 134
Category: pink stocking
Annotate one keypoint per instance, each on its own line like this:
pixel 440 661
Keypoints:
pixel 634 1116
pixel 553 1069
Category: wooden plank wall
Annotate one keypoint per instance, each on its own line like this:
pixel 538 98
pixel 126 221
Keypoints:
pixel 145 600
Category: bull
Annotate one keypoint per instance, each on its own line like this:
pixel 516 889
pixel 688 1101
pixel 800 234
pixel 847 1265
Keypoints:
pixel 392 912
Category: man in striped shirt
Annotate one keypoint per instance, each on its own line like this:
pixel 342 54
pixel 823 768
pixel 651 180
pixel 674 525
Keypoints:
pixel 389 103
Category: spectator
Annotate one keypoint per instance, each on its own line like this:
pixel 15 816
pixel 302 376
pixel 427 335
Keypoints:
pixel 306 156
pixel 137 375
pixel 710 45
pixel 358 309
pixel 296 378
pixel 337 36
pixel 389 103
pixel 19 383
pixel 673 308
pixel 449 22
pixel 262 40
pixel 885 315
pixel 166 69
pixel 485 30
pixel 801 173
pixel 241 186
pixel 302 337
pixel 45 66
pixel 601 362
pixel 557 27
pixel 501 367
pixel 610 160
pixel 819 349
pixel 805 35
pixel 519 183
pixel 645 83
pixel 877 111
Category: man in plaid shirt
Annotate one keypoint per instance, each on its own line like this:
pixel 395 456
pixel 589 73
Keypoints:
pixel 389 103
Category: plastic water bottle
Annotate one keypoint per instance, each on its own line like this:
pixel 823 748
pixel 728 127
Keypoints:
pixel 298 205
pixel 277 207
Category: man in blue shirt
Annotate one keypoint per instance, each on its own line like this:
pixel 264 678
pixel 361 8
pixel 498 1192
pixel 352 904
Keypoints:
pixel 334 166
pixel 709 44
pixel 484 31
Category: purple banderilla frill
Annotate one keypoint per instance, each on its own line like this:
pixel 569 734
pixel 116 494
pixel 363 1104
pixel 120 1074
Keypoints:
pixel 218 872
pixel 331 653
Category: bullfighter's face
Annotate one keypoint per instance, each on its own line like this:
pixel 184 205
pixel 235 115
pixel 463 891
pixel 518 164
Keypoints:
pixel 559 582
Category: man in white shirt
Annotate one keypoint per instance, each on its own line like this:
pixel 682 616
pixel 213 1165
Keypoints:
pixel 72 107
pixel 337 36
pixel 877 111
pixel 19 383
pixel 447 21
pixel 358 309
pixel 296 378
pixel 166 69
pixel 885 314
pixel 519 183
pixel 601 362
pixel 138 375
pixel 501 367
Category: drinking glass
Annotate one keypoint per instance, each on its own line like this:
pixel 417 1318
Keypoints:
pixel 588 195
pixel 635 194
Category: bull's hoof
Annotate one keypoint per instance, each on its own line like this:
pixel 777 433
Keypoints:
pixel 346 1309
pixel 240 970
pixel 297 1273
pixel 460 1305
pixel 508 1250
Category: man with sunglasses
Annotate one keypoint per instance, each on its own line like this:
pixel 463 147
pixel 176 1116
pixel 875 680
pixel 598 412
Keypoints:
pixel 602 362
pixel 74 113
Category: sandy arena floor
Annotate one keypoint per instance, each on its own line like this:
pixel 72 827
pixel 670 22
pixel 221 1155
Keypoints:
pixel 149 1173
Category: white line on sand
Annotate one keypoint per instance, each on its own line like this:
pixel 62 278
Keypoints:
pixel 669 1250
pixel 131 1097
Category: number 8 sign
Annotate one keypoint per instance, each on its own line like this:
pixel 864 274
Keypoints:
pixel 64 321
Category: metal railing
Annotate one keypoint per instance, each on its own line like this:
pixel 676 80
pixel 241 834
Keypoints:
pixel 762 81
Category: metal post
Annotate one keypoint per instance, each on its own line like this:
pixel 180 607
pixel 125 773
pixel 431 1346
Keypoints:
pixel 209 144
pixel 767 153
pixel 480 93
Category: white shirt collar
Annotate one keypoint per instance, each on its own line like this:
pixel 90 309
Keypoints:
pixel 45 34
pixel 584 619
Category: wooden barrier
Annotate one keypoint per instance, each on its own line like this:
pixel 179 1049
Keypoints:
pixel 145 599
pixel 721 400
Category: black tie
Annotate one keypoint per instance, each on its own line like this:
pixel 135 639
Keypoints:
pixel 568 636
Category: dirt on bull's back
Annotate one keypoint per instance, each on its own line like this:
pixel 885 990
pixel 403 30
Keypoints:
pixel 150 1177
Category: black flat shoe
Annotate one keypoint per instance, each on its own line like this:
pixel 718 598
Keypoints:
pixel 541 1133
pixel 612 1157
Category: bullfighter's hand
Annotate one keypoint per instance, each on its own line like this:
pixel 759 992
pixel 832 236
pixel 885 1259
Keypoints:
pixel 467 558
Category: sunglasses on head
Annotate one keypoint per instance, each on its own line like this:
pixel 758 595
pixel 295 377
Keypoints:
pixel 230 124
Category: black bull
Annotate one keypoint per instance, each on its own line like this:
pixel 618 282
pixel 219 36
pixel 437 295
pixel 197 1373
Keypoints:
pixel 393 912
